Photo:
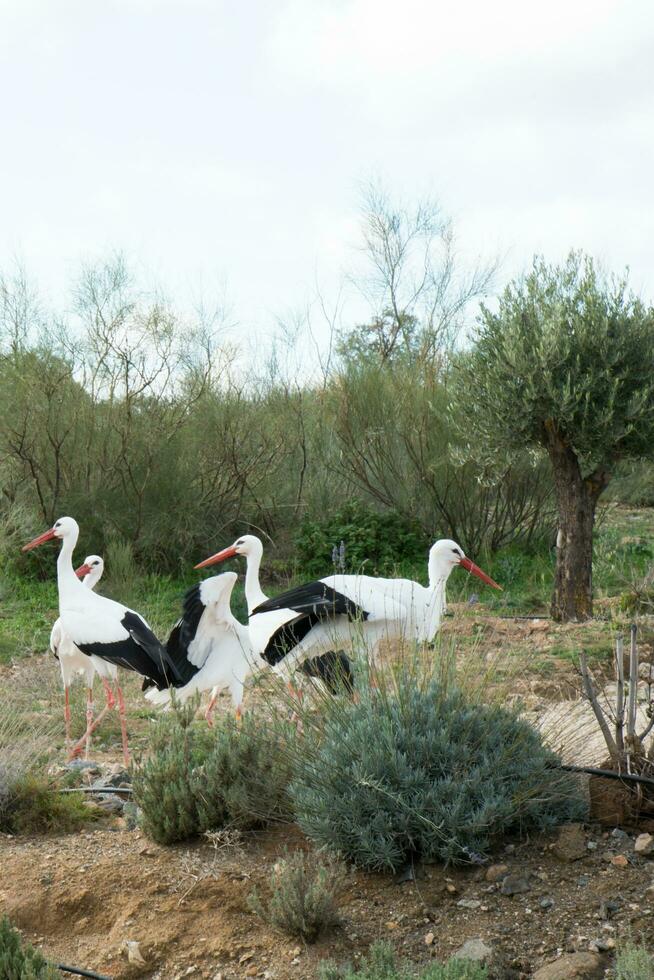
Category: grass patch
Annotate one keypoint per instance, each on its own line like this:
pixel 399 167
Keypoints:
pixel 634 963
pixel 381 964
pixel 33 805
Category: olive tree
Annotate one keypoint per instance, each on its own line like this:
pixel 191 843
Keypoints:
pixel 566 363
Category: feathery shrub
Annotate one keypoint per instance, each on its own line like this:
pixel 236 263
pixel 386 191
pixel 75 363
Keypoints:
pixel 244 780
pixel 20 961
pixel 197 779
pixel 381 964
pixel 424 772
pixel 634 963
pixel 302 900
pixel 163 783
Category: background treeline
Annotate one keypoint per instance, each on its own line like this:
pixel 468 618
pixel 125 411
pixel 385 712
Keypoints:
pixel 153 430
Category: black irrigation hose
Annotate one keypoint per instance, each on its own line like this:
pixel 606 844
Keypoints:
pixel 79 972
pixel 127 790
pixel 624 777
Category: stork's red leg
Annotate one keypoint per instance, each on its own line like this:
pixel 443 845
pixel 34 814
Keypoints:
pixel 89 721
pixel 123 722
pixel 77 747
pixel 210 709
pixel 67 716
pixel 111 701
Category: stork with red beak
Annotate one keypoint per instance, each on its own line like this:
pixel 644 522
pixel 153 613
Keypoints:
pixel 105 629
pixel 323 615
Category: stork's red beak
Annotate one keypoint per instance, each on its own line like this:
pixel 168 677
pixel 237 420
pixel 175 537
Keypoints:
pixel 42 538
pixel 83 570
pixel 476 570
pixel 219 556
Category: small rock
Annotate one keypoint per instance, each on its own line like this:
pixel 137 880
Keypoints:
pixel 468 903
pixel 608 908
pixel 585 966
pixel 429 939
pixel 391 924
pixel 496 872
pixel 252 971
pixel 619 861
pixel 619 834
pixel 509 849
pixel 515 885
pixel 133 951
pixel 144 849
pixel 474 949
pixel 583 880
pixel 546 903
pixel 245 957
pixel 570 844
pixel 451 888
pixel 644 844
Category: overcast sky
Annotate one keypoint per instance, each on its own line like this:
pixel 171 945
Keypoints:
pixel 224 143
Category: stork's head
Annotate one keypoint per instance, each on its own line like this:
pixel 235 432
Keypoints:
pixel 93 565
pixel 248 545
pixel 65 527
pixel 446 555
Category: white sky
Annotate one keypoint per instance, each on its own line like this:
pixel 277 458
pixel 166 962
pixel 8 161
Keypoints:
pixel 223 144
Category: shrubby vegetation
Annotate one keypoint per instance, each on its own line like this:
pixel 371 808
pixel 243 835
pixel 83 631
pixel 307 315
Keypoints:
pixel 634 963
pixel 125 413
pixel 196 779
pixel 420 770
pixel 19 960
pixel 303 891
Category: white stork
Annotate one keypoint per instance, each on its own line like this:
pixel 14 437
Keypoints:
pixel 322 615
pixel 214 642
pixel 333 668
pixel 105 629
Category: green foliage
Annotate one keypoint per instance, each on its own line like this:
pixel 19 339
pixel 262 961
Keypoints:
pixel 244 779
pixel 302 901
pixel 567 349
pixel 20 961
pixel 381 964
pixel 198 779
pixel 31 804
pixel 375 541
pixel 424 771
pixel 401 444
pixel 634 963
pixel 121 567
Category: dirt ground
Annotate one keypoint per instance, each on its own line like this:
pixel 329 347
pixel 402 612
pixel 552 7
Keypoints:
pixel 84 898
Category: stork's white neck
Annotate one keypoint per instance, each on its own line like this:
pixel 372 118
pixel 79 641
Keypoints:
pixel 253 594
pixel 67 581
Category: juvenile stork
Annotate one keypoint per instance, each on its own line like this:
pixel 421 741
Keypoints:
pixel 106 629
pixel 335 610
pixel 333 668
pixel 72 662
pixel 214 641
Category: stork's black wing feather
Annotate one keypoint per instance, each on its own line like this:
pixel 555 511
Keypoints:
pixel 142 652
pixel 316 599
pixel 313 603
pixel 184 630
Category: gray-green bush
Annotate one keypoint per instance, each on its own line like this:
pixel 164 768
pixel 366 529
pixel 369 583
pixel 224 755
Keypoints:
pixel 424 772
pixel 381 964
pixel 19 960
pixel 196 779
pixel 303 896
pixel 634 963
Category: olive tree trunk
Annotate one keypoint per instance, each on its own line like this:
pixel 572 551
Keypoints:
pixel 577 498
